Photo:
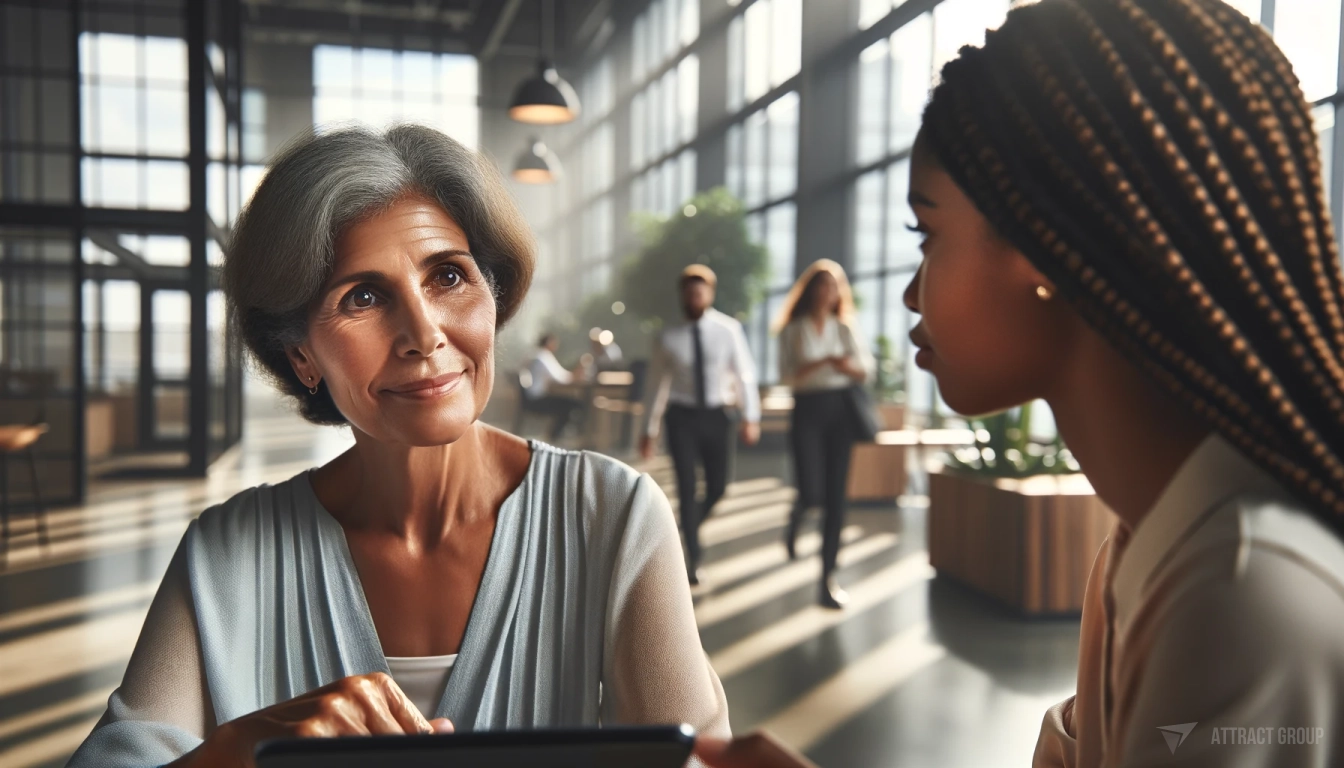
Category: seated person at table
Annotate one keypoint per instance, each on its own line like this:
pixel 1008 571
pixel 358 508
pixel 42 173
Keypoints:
pixel 440 574
pixel 543 372
pixel 607 355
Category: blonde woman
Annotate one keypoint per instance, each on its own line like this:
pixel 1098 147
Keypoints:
pixel 821 358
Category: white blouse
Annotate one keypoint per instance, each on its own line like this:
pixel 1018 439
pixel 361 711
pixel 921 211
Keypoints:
pixel 800 343
pixel 422 679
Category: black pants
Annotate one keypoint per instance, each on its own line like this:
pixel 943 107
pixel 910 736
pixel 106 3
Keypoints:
pixel 822 436
pixel 701 436
pixel 560 409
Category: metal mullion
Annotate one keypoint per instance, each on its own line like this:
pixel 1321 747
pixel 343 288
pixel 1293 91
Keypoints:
pixel 766 159
pixel 886 188
pixel 41 185
pixel 141 103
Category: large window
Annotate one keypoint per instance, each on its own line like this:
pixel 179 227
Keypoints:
pixel 764 49
pixel 37 132
pixel 133 98
pixel 660 32
pixel 378 87
pixel 663 115
pixel 761 168
pixel 761 151
pixel 577 216
pixel 1308 33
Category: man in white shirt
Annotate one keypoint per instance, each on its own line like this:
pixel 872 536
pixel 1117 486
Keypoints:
pixel 543 371
pixel 701 372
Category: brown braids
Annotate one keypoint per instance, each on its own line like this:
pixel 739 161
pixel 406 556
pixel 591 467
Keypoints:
pixel 1155 159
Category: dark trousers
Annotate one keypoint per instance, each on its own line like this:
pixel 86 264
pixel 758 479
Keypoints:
pixel 702 436
pixel 822 436
pixel 560 409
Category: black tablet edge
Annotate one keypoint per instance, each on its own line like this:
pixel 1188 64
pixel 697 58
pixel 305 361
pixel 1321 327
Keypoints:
pixel 683 735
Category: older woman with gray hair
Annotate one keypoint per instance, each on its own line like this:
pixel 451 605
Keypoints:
pixel 440 573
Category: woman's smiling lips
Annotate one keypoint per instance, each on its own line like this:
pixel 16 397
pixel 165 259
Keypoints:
pixel 426 389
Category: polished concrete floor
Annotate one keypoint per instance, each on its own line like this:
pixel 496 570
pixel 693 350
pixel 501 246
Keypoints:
pixel 916 672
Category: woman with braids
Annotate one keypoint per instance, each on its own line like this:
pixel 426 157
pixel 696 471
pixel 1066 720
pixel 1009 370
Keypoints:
pixel 1124 215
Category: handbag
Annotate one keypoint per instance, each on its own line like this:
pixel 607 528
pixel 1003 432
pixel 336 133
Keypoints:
pixel 863 411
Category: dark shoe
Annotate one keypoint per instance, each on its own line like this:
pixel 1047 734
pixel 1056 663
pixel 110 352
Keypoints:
pixel 791 532
pixel 693 574
pixel 831 595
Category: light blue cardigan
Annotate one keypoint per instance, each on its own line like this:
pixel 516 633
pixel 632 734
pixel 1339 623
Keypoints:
pixel 278 610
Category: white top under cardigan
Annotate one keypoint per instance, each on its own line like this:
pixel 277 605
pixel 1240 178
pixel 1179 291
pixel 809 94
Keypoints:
pixel 583 617
pixel 800 343
pixel 422 678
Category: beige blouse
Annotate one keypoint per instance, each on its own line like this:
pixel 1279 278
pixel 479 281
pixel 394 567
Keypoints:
pixel 1212 634
pixel 800 343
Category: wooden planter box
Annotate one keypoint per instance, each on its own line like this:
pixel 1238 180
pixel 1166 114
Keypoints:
pixel 893 415
pixel 1028 544
pixel 877 472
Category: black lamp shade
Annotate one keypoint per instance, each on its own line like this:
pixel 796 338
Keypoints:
pixel 544 99
pixel 536 165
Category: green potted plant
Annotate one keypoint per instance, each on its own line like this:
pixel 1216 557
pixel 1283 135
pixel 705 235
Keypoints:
pixel 709 229
pixel 1012 517
pixel 889 384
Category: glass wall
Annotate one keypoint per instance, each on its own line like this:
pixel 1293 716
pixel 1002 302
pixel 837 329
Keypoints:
pixel 761 149
pixel 378 87
pixel 119 179
pixel 37 132
pixel 630 152
pixel 39 270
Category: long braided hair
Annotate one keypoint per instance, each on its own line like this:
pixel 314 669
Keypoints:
pixel 1155 160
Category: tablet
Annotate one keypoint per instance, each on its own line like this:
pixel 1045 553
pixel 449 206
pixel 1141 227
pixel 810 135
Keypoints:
pixel 623 747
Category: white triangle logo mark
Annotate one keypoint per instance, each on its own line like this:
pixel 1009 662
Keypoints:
pixel 1175 734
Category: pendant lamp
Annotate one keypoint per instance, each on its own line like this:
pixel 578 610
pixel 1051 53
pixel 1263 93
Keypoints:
pixel 545 98
pixel 537 164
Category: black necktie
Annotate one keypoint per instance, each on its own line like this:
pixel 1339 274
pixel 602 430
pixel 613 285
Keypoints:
pixel 701 401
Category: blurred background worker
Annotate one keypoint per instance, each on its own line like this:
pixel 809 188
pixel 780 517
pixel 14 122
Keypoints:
pixel 543 372
pixel 701 372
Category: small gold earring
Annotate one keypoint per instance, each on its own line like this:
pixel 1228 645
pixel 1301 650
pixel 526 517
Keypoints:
pixel 1043 293
pixel 313 389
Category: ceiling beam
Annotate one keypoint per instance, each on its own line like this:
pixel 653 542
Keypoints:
pixel 592 22
pixel 501 28
pixel 321 24
pixel 421 13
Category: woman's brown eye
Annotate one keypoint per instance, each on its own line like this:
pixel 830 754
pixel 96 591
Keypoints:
pixel 449 278
pixel 361 298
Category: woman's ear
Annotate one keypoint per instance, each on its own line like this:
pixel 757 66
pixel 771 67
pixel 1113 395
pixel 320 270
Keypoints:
pixel 1024 277
pixel 302 363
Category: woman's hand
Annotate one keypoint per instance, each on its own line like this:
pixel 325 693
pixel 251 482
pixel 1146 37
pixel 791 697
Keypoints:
pixel 807 369
pixel 846 366
pixel 361 705
pixel 758 750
